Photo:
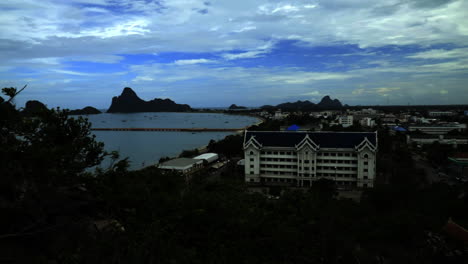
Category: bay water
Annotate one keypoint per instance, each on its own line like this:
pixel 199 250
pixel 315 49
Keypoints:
pixel 144 148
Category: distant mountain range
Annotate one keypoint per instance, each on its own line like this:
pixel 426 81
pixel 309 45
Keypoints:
pixel 236 107
pixel 129 102
pixel 325 103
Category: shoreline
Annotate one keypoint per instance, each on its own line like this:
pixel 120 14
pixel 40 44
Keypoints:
pixel 204 148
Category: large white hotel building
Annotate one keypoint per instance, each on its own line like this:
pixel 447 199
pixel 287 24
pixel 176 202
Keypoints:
pixel 298 158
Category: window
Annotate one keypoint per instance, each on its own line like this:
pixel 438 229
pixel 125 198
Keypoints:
pixel 366 170
pixel 366 156
pixel 307 153
pixel 251 153
pixel 365 177
pixel 306 161
pixel 251 159
pixel 251 172
pixel 276 153
pixel 252 180
pixel 366 163
pixel 251 166
pixel 281 153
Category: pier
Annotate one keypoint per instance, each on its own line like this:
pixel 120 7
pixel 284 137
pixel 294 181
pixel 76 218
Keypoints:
pixel 171 129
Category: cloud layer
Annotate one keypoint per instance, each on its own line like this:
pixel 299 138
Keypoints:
pixel 246 52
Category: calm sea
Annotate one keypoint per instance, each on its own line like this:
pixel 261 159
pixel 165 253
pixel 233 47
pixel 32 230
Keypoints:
pixel 146 148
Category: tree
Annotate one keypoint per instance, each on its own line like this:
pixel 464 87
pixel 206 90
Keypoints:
pixel 43 163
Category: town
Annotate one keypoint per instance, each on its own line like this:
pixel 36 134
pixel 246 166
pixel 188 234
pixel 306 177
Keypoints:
pixel 351 147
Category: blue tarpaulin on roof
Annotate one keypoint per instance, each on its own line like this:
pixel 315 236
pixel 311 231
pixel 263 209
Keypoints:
pixel 399 128
pixel 293 128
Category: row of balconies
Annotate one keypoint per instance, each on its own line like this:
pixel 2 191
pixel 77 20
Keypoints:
pixel 291 154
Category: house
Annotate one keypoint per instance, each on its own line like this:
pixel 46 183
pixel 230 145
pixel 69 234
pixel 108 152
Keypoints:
pixel 298 158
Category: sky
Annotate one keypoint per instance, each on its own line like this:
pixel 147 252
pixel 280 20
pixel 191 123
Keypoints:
pixel 213 53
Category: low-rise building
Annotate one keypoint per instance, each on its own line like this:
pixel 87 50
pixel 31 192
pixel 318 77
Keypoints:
pixel 345 121
pixel 440 113
pixel 183 165
pixel 438 129
pixel 300 158
pixel 207 157
pixel 367 122
pixel 441 139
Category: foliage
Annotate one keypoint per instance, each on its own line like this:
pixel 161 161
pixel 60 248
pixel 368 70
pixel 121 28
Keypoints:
pixel 189 153
pixel 51 207
pixel 230 146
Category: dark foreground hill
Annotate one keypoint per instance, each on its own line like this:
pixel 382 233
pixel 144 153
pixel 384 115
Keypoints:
pixel 129 102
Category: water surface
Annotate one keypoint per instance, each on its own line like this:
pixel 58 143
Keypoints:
pixel 144 148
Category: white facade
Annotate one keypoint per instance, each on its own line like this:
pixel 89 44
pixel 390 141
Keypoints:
pixel 304 161
pixel 367 122
pixel 438 129
pixel 345 121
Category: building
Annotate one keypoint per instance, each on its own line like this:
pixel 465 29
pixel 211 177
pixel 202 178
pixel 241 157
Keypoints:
pixel 367 122
pixel 441 113
pixel 345 121
pixel 207 157
pixel 441 139
pixel 183 165
pixel 438 129
pixel 280 115
pixel 300 158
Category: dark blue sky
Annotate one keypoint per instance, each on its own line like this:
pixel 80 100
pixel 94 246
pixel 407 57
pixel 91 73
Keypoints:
pixel 74 53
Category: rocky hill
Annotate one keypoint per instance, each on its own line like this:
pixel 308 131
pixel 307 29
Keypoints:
pixel 88 110
pixel 129 102
pixel 236 107
pixel 325 103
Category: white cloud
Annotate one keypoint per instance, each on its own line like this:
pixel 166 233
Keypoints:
pixel 441 54
pixel 243 55
pixel 193 61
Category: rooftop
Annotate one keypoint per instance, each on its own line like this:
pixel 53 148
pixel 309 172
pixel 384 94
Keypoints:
pixel 180 162
pixel 206 156
pixel 324 139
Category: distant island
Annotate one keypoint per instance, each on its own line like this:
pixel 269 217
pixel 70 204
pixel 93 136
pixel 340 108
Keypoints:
pixel 236 107
pixel 88 110
pixel 325 103
pixel 129 102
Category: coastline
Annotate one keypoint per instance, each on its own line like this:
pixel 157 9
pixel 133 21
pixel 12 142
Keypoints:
pixel 204 148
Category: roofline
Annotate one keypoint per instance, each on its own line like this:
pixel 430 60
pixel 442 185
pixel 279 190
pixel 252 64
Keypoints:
pixel 356 132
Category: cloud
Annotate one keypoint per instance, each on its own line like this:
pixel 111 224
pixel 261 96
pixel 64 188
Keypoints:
pixel 193 61
pixel 441 54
